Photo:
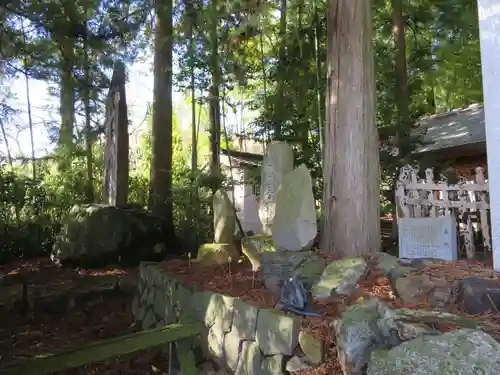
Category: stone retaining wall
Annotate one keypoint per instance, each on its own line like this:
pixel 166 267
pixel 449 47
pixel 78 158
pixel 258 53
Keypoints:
pixel 239 337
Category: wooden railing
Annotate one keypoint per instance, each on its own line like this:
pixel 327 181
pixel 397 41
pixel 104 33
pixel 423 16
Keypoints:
pixel 105 349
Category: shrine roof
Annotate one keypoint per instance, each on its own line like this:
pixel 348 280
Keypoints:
pixel 243 158
pixel 455 128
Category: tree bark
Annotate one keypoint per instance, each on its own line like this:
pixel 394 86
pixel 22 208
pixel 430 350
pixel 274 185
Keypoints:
pixel 351 200
pixel 282 61
pixel 89 189
pixel 67 94
pixel 214 95
pixel 403 95
pixel 403 126
pixel 319 75
pixel 161 154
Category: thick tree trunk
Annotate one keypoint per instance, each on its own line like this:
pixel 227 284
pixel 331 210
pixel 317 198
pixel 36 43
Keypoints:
pixel 215 118
pixel 89 190
pixel 282 59
pixel 161 153
pixel 320 100
pixel 67 102
pixel 351 201
pixel 402 96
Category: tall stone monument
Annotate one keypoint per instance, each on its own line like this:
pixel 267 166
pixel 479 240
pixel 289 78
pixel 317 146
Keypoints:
pixel 294 226
pixel 278 161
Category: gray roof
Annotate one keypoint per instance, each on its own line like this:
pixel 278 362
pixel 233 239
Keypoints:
pixel 455 128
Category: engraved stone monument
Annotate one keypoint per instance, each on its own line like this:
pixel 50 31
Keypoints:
pixel 428 237
pixel 294 225
pixel 278 161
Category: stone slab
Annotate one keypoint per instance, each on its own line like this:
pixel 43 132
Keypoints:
pixel 232 350
pixel 277 333
pixel 250 359
pixel 428 237
pixel 272 365
pixel 244 320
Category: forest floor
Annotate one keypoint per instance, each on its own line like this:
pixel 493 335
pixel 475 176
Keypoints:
pixel 40 332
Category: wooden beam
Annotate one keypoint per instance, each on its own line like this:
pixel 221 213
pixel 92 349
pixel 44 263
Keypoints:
pixel 104 349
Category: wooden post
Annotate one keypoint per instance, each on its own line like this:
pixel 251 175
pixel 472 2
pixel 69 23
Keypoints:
pixel 489 36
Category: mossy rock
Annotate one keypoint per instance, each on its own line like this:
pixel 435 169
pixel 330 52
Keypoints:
pixel 99 234
pixel 216 254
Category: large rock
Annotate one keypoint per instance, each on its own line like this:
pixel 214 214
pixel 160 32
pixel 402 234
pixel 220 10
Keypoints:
pixel 224 218
pixel 477 295
pixel 278 161
pixel 419 288
pixel 313 348
pixel 285 264
pixel 339 278
pixel 276 332
pixel 216 254
pixel 250 359
pixel 294 225
pixel 97 234
pixel 462 352
pixel 368 326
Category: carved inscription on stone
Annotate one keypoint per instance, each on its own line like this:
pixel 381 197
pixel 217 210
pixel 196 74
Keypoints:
pixel 428 237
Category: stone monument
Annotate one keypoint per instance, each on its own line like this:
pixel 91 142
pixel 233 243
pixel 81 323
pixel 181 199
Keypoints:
pixel 247 209
pixel 224 218
pixel 278 161
pixel 428 237
pixel 294 227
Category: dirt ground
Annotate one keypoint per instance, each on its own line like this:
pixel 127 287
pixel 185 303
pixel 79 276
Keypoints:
pixel 42 333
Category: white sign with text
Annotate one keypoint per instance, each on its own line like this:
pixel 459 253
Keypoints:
pixel 428 237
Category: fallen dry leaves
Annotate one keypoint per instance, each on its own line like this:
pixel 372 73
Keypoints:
pixel 42 333
pixel 20 338
pixel 238 280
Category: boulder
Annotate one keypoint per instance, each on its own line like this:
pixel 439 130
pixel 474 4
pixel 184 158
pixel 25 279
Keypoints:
pixel 294 226
pixel 339 278
pixel 277 162
pixel 477 295
pixel 418 288
pixel 461 352
pixel 216 254
pixel 286 264
pixel 313 348
pixel 97 234
pixel 224 218
pixel 367 326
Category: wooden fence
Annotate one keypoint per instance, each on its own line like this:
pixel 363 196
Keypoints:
pixel 105 349
pixel 468 201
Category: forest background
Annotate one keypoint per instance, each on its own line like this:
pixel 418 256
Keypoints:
pixel 240 67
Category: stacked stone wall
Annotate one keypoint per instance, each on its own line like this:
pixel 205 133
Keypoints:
pixel 241 338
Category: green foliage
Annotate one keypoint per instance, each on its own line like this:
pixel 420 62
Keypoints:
pixel 270 79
